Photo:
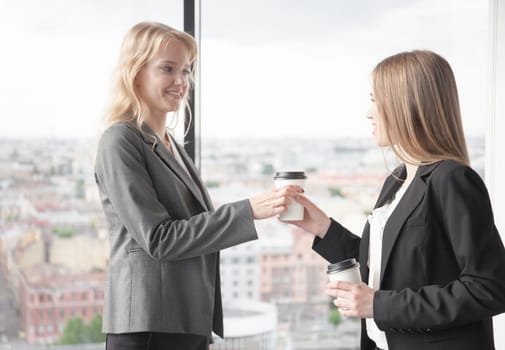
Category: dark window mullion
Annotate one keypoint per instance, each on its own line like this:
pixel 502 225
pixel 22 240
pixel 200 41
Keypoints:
pixel 189 123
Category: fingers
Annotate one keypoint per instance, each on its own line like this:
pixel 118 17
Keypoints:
pixel 282 197
pixel 352 300
pixel 307 203
pixel 283 202
pixel 345 308
pixel 341 285
pixel 279 198
pixel 302 199
pixel 273 202
pixel 352 308
pixel 333 290
pixel 289 190
pixel 344 301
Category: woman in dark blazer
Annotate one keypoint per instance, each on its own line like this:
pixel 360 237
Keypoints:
pixel 431 259
pixel 163 287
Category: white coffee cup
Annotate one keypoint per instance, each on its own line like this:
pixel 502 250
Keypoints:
pixel 283 178
pixel 345 270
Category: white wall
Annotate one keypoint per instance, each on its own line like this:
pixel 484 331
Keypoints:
pixel 495 167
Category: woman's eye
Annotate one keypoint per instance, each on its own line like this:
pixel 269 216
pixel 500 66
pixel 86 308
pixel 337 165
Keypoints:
pixel 186 72
pixel 167 68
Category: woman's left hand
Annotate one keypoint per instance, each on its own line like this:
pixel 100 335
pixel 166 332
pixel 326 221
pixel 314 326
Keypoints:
pixel 352 300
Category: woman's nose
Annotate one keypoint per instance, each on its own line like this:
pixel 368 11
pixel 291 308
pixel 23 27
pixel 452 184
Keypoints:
pixel 180 78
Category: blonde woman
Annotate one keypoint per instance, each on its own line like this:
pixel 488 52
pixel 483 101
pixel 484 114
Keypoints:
pixel 163 288
pixel 431 259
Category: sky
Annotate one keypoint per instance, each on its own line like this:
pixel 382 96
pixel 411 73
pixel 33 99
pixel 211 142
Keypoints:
pixel 269 68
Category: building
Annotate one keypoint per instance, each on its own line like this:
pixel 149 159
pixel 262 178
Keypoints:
pixel 240 272
pixel 248 325
pixel 50 295
pixel 294 278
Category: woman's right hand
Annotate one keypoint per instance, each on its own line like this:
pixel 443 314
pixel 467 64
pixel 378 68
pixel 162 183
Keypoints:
pixel 314 220
pixel 273 202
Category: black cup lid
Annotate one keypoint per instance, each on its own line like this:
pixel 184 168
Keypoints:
pixel 342 265
pixel 290 175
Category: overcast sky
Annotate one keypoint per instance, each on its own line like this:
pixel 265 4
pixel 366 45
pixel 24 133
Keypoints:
pixel 269 68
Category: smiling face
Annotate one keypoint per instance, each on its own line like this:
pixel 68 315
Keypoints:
pixel 163 81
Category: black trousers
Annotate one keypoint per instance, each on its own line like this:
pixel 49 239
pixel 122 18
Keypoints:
pixel 156 341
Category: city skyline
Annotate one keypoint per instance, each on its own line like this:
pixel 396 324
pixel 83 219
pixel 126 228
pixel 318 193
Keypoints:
pixel 51 213
pixel 51 218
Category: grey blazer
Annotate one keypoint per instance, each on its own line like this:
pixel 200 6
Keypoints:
pixel 165 237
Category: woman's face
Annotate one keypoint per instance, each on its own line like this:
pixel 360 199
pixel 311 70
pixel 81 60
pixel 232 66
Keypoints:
pixel 163 81
pixel 377 123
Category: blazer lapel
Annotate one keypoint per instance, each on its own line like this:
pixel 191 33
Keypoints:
pixel 389 188
pixel 407 204
pixel 392 184
pixel 156 145
pixel 364 252
pixel 194 174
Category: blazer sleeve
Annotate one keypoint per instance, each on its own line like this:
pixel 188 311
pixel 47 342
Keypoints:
pixel 479 292
pixel 337 244
pixel 122 178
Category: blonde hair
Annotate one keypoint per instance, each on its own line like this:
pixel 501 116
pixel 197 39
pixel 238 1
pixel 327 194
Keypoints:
pixel 417 99
pixel 141 43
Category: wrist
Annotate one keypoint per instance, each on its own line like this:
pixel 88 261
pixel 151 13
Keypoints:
pixel 323 229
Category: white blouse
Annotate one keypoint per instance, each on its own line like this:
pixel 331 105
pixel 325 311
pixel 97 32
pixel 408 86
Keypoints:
pixel 377 221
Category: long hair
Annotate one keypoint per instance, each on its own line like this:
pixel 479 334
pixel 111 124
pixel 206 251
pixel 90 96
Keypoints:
pixel 140 44
pixel 417 99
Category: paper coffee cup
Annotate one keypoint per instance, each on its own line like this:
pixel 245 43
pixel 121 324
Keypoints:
pixel 283 178
pixel 345 270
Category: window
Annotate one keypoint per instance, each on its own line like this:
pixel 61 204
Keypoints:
pixel 60 73
pixel 291 83
pixel 288 80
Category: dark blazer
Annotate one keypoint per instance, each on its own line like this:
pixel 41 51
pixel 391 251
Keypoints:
pixel 165 237
pixel 443 262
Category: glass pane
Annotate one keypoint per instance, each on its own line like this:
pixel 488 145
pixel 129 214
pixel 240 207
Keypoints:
pixel 285 86
pixel 61 55
pixel 57 61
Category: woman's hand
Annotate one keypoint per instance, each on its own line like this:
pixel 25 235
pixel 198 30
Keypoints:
pixel 314 220
pixel 352 300
pixel 273 202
